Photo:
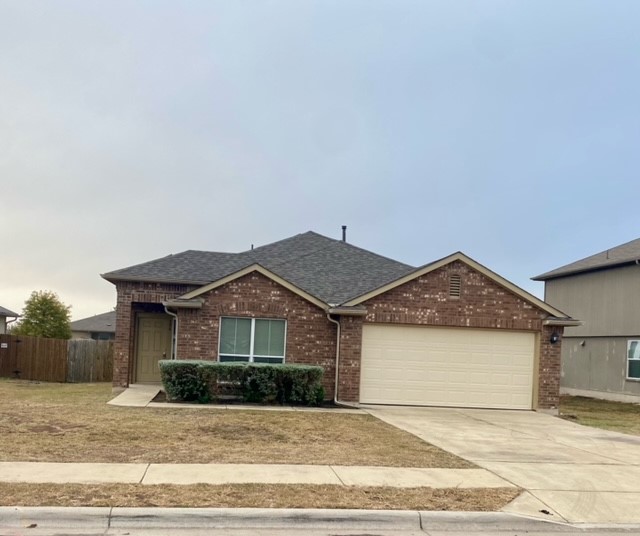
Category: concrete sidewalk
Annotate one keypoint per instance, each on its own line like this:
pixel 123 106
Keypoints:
pixel 145 473
pixel 142 395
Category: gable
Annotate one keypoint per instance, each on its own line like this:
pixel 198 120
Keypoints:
pixel 248 270
pixel 500 286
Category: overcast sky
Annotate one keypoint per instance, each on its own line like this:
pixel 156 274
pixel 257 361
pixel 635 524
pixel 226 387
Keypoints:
pixel 129 130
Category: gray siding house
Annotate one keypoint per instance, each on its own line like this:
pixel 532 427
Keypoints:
pixel 600 358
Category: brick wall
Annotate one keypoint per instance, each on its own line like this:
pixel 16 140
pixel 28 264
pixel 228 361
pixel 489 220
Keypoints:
pixel 350 349
pixel 549 369
pixel 136 297
pixel 482 304
pixel 311 338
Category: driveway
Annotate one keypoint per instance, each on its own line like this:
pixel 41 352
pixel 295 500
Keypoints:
pixel 576 473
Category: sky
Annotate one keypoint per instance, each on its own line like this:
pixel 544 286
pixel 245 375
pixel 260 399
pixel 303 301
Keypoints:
pixel 133 129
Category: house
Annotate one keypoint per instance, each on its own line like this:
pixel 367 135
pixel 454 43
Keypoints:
pixel 4 314
pixel 600 358
pixel 449 333
pixel 100 327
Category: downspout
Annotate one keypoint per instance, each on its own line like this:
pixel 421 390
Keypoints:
pixel 7 322
pixel 174 354
pixel 335 388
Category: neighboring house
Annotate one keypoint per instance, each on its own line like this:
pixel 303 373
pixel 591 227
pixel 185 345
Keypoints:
pixel 4 314
pixel 449 333
pixel 98 327
pixel 600 358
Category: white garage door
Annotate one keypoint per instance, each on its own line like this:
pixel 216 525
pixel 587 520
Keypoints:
pixel 415 365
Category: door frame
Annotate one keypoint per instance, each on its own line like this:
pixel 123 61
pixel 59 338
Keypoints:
pixel 139 316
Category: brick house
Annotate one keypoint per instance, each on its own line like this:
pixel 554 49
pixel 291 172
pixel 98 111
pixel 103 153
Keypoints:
pixel 449 333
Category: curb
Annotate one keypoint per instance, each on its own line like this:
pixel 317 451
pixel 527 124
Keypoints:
pixel 106 518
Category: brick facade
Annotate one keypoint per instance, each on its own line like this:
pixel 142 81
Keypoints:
pixel 311 337
pixel 482 304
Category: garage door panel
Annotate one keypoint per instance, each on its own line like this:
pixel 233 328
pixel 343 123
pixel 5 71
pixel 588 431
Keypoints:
pixel 447 366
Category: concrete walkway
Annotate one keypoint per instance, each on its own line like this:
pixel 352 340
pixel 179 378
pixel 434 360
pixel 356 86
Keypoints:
pixel 142 395
pixel 577 473
pixel 145 473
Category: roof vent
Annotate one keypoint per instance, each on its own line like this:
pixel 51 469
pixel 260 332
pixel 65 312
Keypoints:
pixel 455 282
pixel 344 233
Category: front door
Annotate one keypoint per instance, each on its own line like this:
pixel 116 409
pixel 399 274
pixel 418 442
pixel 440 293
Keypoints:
pixel 153 344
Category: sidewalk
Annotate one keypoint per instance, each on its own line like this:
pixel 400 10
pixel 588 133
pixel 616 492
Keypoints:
pixel 145 473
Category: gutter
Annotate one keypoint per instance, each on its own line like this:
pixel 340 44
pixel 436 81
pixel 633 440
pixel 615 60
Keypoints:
pixel 347 311
pixel 174 342
pixel 566 322
pixel 335 387
pixel 179 304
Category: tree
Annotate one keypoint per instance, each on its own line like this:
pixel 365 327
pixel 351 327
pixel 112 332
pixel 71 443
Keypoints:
pixel 44 315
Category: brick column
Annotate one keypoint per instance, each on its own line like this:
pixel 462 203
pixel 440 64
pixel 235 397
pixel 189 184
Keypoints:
pixel 549 369
pixel 350 354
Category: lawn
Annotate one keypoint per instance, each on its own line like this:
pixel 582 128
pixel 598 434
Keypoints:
pixel 73 423
pixel 616 416
pixel 256 495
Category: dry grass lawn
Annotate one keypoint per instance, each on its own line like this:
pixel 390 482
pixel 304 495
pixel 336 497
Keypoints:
pixel 73 423
pixel 256 495
pixel 616 416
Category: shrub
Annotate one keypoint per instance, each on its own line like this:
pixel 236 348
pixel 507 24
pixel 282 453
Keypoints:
pixel 204 381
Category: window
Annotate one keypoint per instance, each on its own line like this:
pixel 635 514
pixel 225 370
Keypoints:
pixel 633 360
pixel 255 340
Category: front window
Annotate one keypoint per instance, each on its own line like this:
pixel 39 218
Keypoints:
pixel 633 360
pixel 254 340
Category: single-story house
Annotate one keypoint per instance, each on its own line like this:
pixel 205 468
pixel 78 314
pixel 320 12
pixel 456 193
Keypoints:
pixel 100 327
pixel 600 358
pixel 449 333
pixel 4 314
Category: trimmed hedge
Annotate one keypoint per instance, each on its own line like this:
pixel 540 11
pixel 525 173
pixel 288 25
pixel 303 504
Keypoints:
pixel 207 381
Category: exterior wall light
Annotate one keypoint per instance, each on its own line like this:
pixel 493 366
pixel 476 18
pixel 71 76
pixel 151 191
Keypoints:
pixel 554 338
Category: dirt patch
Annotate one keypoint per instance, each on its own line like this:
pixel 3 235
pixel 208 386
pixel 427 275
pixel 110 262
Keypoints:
pixel 256 496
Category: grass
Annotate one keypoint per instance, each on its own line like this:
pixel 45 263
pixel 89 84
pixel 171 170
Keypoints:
pixel 616 416
pixel 256 495
pixel 73 423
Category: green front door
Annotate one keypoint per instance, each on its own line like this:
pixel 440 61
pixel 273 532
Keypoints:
pixel 153 344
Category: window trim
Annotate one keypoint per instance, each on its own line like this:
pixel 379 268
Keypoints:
pixel 627 377
pixel 251 355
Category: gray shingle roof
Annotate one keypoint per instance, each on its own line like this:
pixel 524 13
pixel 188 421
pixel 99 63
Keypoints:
pixel 623 254
pixel 331 270
pixel 6 312
pixel 104 323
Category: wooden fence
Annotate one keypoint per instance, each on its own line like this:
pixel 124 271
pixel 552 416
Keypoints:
pixel 55 360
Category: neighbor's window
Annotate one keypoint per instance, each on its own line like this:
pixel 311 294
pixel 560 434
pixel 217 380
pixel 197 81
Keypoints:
pixel 633 360
pixel 256 340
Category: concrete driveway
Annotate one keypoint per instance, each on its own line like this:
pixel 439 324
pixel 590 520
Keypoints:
pixel 578 474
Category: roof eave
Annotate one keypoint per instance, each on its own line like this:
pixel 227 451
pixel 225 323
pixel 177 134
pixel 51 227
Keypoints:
pixel 556 275
pixel 141 279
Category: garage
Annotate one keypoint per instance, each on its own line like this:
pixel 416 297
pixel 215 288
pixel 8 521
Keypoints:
pixel 456 367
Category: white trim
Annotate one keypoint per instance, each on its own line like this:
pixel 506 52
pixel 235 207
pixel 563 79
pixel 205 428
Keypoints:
pixel 626 373
pixel 251 355
pixel 459 256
